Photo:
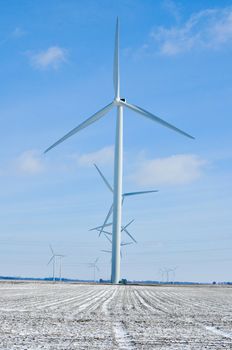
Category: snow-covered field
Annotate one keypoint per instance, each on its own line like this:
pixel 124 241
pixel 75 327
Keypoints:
pixel 72 316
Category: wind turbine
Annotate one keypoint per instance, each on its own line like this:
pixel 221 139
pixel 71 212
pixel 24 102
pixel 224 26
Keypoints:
pixel 123 244
pixel 95 267
pixel 167 271
pixel 123 228
pixel 124 195
pixel 53 259
pixel 173 270
pixel 119 103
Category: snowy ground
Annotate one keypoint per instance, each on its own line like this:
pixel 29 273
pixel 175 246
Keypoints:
pixel 66 316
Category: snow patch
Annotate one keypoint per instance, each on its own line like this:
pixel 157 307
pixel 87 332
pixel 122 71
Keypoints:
pixel 121 337
pixel 219 332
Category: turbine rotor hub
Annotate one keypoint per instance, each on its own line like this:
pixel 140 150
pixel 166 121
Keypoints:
pixel 117 101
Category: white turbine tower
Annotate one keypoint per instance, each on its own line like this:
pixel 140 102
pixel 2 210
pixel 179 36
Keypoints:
pixel 52 259
pixel 119 103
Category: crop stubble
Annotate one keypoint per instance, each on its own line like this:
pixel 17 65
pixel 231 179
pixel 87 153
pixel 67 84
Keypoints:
pixel 82 316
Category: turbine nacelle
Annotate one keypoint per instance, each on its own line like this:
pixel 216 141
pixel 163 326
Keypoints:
pixel 119 101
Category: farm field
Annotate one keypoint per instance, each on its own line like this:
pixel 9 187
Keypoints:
pixel 79 316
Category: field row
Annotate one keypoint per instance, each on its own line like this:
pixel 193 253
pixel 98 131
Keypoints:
pixel 71 316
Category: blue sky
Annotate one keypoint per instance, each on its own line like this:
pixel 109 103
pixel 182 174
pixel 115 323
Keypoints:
pixel 56 70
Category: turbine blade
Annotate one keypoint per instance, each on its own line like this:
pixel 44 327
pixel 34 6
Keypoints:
pixel 97 268
pixel 104 179
pixel 128 233
pixel 116 76
pixel 96 261
pixel 126 243
pixel 124 227
pixel 51 249
pixel 108 238
pixel 106 219
pixel 155 118
pixel 137 193
pixel 99 227
pixel 108 233
pixel 105 251
pixel 83 125
pixel 50 260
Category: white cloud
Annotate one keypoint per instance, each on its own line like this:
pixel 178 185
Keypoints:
pixel 53 57
pixel 100 157
pixel 32 162
pixel 29 163
pixel 175 170
pixel 207 29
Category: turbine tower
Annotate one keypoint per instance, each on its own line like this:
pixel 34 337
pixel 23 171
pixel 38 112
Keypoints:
pixel 119 103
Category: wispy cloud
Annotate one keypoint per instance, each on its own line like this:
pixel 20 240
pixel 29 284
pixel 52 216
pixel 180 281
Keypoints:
pixel 172 8
pixel 33 162
pixel 207 29
pixel 103 156
pixel 15 34
pixel 175 170
pixel 18 32
pixel 52 58
pixel 29 163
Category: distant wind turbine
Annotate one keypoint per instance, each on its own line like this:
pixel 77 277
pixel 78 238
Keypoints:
pixel 124 195
pixel 167 271
pixel 123 244
pixel 95 267
pixel 123 228
pixel 173 270
pixel 53 259
pixel 119 103
pixel 60 271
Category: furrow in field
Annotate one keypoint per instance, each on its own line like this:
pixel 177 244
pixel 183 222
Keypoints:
pixel 121 336
pixel 114 308
pixel 27 305
pixel 89 304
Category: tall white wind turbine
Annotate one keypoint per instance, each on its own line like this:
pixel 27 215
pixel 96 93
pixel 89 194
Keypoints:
pixel 119 103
